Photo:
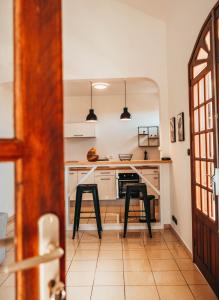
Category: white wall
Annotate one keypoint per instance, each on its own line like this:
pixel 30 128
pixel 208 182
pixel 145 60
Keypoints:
pixel 184 23
pixel 6 169
pixel 113 135
pixel 108 39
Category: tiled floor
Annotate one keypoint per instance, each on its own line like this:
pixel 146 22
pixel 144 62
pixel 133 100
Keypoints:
pixel 135 268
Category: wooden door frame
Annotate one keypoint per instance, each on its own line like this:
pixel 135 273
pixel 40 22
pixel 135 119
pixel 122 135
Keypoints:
pixel 37 148
pixel 215 63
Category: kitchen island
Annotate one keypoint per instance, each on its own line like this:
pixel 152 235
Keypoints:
pixel 88 169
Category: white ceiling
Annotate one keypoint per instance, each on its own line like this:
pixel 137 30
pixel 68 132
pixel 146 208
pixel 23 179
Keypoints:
pixel 155 8
pixel 134 86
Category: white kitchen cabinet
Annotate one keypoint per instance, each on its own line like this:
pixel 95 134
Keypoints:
pixel 79 130
pixel 153 176
pixel 106 186
pixel 72 184
pixel 89 180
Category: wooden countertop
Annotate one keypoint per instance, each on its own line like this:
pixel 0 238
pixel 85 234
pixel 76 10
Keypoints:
pixel 113 163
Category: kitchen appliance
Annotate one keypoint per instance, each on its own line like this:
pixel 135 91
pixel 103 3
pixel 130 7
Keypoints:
pixel 122 180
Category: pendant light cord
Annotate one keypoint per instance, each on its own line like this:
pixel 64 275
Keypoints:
pixel 125 92
pixel 91 93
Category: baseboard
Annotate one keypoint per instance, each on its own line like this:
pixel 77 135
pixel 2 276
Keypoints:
pixel 181 241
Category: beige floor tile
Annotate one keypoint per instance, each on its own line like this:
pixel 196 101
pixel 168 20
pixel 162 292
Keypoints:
pixel 112 247
pixel 141 293
pixel 10 281
pixel 134 254
pixel 133 246
pixel 203 292
pixel 108 293
pixel 156 246
pixel 88 246
pixel 86 255
pixel 137 265
pixel 194 277
pixel 179 252
pixel 139 278
pixel 7 293
pixel 83 266
pixel 159 254
pixel 110 265
pixel 82 293
pixel 3 277
pixel 110 255
pixel 169 236
pixel 174 292
pixel 185 264
pixel 163 265
pixel 108 278
pixel 169 278
pixel 79 279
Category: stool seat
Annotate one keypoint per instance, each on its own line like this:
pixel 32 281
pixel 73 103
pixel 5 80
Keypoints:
pixel 142 188
pixel 87 188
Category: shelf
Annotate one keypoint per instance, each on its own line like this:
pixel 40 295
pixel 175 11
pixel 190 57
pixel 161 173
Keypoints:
pixel 148 136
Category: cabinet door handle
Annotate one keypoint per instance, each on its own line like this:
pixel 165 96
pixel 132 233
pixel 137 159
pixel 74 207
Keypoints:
pixel 104 178
pixel 104 173
pixel 78 135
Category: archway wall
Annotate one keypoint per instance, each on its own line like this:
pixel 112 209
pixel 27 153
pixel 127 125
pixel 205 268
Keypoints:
pixel 184 22
pixel 109 39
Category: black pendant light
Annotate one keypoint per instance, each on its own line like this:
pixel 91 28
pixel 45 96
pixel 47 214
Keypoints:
pixel 91 117
pixel 125 116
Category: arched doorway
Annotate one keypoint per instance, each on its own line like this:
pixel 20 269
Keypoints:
pixel 203 84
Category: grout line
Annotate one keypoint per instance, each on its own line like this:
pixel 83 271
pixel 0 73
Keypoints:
pixel 92 288
pixel 123 263
pixel 152 273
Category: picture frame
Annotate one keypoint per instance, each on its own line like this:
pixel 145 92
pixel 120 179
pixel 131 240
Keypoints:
pixel 173 130
pixel 180 127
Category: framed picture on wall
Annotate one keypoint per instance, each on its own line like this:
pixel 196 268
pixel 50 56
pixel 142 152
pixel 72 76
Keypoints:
pixel 173 130
pixel 180 127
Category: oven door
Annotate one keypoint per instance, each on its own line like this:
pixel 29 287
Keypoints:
pixel 122 184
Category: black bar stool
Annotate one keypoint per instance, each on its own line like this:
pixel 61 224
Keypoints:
pixel 138 187
pixel 87 188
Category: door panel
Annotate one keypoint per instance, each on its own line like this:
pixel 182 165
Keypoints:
pixel 204 154
pixel 37 148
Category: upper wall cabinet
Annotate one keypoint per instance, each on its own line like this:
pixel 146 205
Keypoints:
pixel 80 130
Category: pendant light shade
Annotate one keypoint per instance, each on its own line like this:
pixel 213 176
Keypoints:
pixel 91 117
pixel 125 115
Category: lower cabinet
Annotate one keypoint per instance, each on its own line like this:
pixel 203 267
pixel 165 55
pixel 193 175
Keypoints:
pixel 106 187
pixel 89 180
pixel 72 184
pixel 153 176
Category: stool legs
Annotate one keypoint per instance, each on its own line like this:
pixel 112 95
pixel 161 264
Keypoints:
pixel 148 214
pixel 78 203
pixel 97 212
pixel 127 202
pixel 77 212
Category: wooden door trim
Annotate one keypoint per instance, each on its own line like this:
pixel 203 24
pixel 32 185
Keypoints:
pixel 39 126
pixel 11 149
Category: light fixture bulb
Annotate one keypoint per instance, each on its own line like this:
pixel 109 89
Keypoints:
pixel 100 85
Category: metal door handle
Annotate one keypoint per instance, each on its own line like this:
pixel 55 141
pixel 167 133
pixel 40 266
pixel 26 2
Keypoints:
pixel 53 254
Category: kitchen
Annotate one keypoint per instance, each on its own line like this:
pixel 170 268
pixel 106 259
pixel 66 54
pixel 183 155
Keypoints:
pixel 127 151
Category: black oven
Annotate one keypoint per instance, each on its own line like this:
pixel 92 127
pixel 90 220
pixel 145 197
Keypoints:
pixel 123 180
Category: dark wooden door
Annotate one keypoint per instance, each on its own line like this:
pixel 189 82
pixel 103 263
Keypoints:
pixel 37 148
pixel 203 81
